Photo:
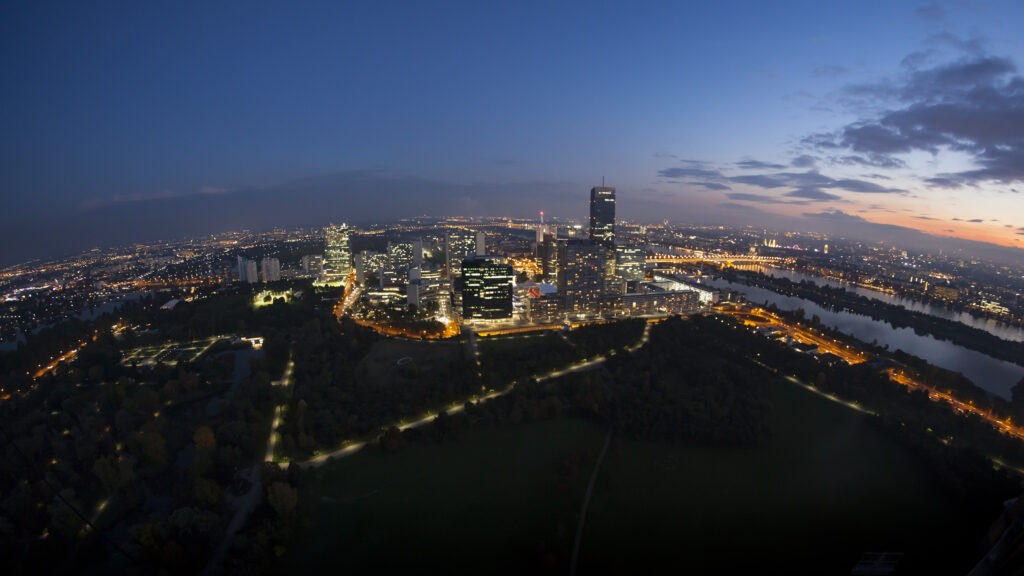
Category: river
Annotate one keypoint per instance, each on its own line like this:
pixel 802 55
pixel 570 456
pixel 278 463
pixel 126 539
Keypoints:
pixel 989 325
pixel 994 375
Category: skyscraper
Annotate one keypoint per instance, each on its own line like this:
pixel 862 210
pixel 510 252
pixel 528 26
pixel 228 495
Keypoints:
pixel 630 262
pixel 247 271
pixel 337 254
pixel 581 279
pixel 270 270
pixel 459 244
pixel 602 216
pixel 487 289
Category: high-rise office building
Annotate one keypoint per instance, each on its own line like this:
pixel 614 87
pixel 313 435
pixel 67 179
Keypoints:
pixel 581 279
pixel 487 288
pixel 602 216
pixel 338 253
pixel 481 243
pixel 548 251
pixel 247 271
pixel 630 262
pixel 401 256
pixel 312 264
pixel 270 270
pixel 458 245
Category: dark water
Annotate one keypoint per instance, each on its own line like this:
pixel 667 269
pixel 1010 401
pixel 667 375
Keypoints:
pixel 987 324
pixel 994 375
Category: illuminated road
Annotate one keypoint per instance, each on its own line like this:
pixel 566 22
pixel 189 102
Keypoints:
pixel 744 313
pixel 349 295
pixel 1004 426
pixel 70 355
pixel 764 319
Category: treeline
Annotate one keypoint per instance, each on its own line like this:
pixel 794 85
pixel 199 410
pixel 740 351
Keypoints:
pixel 913 412
pixel 600 338
pixel 333 401
pixel 147 455
pixel 898 316
pixel 520 358
pixel 150 455
pixel 690 383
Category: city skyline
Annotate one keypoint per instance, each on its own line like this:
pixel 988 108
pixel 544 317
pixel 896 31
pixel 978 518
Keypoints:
pixel 163 122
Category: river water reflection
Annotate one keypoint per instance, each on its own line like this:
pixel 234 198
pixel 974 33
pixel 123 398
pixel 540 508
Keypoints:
pixel 987 324
pixel 994 375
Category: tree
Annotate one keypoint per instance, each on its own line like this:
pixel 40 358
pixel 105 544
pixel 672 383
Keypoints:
pixel 392 440
pixel 283 498
pixel 205 439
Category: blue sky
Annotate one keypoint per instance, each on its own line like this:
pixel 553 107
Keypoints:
pixel 126 121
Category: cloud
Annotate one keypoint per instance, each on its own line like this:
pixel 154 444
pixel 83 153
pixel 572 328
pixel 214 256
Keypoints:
pixel 712 185
pixel 804 161
pixel 664 155
pixel 751 164
pixel 833 214
pixel 974 106
pixel 812 179
pixel 829 71
pixel 871 159
pixel 926 218
pixel 814 194
pixel 149 196
pixel 689 173
pixel 761 198
pixel 975 220
pixel 933 12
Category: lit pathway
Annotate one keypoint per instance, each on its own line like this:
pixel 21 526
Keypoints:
pixel 251 499
pixel 272 440
pixel 352 448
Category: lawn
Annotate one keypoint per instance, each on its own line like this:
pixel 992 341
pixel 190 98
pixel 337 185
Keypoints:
pixel 824 489
pixel 394 360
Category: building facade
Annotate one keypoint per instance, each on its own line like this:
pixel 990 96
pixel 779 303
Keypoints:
pixel 487 289
pixel 581 280
pixel 459 244
pixel 247 271
pixel 270 270
pixel 602 216
pixel 337 253
pixel 630 262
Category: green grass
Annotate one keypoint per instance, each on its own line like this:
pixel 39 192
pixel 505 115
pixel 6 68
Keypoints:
pixel 822 491
pixel 506 499
pixel 380 363
pixel 497 497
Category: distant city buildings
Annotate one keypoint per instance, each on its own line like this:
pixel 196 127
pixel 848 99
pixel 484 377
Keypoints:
pixel 337 253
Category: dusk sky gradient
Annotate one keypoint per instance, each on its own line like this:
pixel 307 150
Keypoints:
pixel 126 121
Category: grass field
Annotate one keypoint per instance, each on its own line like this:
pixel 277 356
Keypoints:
pixel 505 499
pixel 392 359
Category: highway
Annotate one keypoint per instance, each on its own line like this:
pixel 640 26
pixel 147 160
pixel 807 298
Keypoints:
pixel 936 395
pixel 851 355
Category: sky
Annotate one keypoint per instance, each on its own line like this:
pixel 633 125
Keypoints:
pixel 132 121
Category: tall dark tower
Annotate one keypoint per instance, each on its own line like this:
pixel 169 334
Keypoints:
pixel 602 216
